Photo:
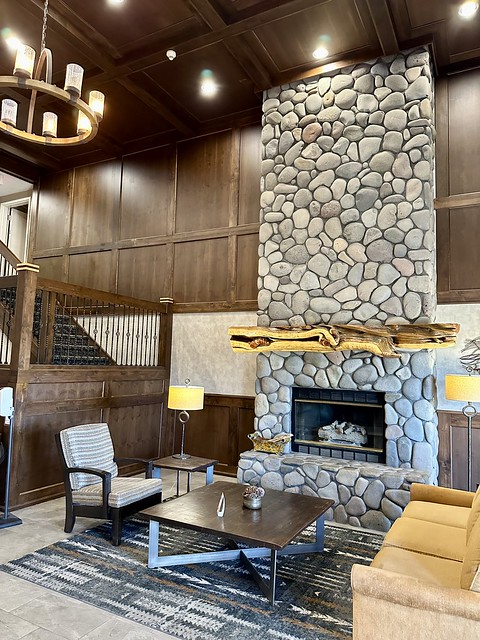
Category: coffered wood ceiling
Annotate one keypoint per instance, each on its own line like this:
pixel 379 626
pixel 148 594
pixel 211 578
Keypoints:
pixel 249 45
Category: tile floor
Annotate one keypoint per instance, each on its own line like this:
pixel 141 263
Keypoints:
pixel 34 613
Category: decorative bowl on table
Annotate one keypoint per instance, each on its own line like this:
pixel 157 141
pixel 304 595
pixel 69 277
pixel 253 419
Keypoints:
pixel 252 497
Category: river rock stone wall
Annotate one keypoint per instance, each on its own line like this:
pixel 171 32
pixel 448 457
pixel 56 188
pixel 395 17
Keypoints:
pixel 347 236
pixel 347 221
pixel 364 495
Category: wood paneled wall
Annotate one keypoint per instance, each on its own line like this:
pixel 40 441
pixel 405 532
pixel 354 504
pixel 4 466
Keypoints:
pixel 219 431
pixel 131 400
pixel 452 450
pixel 458 187
pixel 179 221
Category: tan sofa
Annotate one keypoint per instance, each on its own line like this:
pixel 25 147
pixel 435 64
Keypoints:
pixel 419 583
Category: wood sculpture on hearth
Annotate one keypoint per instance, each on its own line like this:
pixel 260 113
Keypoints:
pixel 383 341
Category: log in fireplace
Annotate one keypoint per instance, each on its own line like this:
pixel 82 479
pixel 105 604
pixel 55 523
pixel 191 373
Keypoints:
pixel 346 424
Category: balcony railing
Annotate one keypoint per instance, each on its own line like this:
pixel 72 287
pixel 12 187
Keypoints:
pixel 72 325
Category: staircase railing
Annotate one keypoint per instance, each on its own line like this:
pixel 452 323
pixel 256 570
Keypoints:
pixel 73 325
pixel 8 261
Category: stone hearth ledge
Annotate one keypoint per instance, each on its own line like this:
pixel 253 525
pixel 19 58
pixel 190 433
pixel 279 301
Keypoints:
pixel 365 494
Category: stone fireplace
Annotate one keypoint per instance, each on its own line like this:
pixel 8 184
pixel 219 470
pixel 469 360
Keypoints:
pixel 347 236
pixel 339 423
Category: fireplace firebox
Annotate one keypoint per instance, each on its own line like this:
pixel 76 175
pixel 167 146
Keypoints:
pixel 335 423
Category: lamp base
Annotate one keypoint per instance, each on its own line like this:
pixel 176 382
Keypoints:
pixel 181 456
pixel 9 521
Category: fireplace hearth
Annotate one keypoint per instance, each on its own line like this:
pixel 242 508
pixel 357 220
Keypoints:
pixel 337 423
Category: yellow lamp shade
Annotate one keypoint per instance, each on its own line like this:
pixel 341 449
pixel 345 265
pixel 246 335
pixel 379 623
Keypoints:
pixel 185 398
pixel 462 388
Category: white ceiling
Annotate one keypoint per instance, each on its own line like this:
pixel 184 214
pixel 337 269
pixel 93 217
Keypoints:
pixel 11 186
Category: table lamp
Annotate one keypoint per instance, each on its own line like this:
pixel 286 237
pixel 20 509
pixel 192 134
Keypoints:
pixel 185 398
pixel 466 389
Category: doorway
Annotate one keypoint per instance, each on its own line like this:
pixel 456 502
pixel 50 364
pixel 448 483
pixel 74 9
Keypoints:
pixel 15 196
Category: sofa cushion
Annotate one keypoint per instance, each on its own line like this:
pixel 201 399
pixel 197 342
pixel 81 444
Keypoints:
pixel 429 538
pixel 439 513
pixel 471 560
pixel 438 571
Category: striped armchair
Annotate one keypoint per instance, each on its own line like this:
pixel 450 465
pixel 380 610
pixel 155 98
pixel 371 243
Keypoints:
pixel 92 485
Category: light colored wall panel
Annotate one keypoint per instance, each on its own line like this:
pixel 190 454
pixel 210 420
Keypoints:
pixel 448 360
pixel 201 352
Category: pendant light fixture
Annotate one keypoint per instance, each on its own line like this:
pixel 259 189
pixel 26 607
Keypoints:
pixel 26 76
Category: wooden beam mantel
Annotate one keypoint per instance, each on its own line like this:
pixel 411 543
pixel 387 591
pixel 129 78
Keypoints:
pixel 382 341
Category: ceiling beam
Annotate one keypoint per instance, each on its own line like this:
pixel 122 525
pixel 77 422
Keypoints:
pixel 40 158
pixel 60 22
pixel 140 63
pixel 382 21
pixel 94 51
pixel 156 105
pixel 242 53
pixel 356 57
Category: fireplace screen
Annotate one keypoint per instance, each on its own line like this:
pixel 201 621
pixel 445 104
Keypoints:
pixel 339 424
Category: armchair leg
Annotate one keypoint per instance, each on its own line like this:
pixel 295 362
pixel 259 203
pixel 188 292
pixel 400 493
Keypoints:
pixel 69 521
pixel 116 527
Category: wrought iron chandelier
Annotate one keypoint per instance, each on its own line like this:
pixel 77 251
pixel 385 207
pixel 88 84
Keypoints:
pixel 26 76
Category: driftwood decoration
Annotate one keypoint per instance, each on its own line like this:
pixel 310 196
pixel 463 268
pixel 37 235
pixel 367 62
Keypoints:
pixel 382 341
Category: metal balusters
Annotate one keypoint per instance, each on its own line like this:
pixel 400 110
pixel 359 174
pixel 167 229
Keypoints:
pixel 7 298
pixel 69 329
pixel 117 355
pixel 137 335
pixel 144 337
pixel 128 358
pixel 149 342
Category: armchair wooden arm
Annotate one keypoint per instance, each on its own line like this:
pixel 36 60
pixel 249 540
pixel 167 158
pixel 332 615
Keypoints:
pixel 106 477
pixel 147 464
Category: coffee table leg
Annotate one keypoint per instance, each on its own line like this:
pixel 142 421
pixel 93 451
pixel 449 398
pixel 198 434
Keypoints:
pixel 273 576
pixel 209 475
pixel 268 588
pixel 320 533
pixel 178 483
pixel 153 532
pixel 189 480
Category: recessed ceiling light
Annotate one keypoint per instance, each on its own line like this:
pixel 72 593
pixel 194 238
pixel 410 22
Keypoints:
pixel 320 53
pixel 468 9
pixel 115 1
pixel 208 88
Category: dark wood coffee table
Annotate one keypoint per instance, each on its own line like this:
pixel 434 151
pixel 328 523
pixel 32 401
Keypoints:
pixel 269 530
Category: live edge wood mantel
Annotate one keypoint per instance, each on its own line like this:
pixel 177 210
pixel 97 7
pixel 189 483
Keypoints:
pixel 382 341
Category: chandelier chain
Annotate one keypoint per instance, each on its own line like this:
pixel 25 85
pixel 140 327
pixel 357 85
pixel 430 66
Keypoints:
pixel 44 26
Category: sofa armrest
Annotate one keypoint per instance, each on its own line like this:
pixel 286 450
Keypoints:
pixel 395 606
pixel 441 495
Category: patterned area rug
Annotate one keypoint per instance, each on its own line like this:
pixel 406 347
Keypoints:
pixel 205 601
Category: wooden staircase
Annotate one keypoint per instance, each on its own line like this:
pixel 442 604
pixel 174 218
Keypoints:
pixel 75 355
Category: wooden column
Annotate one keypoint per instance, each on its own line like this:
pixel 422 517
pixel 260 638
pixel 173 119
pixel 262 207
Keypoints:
pixel 27 276
pixel 24 306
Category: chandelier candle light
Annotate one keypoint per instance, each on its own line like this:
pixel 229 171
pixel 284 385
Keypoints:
pixel 26 76
pixel 466 389
pixel 185 398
